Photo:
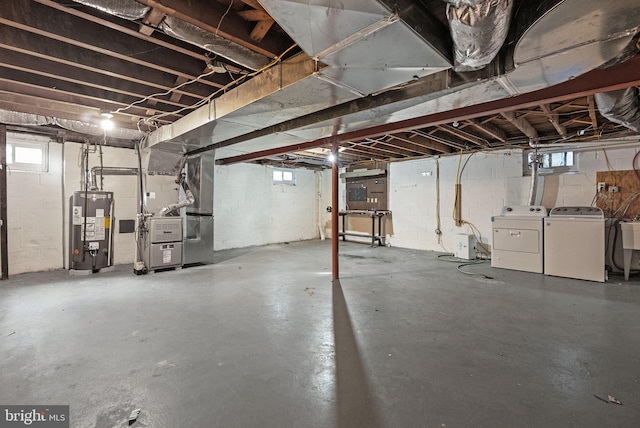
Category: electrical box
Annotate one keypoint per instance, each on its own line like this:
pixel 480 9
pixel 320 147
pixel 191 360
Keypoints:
pixel 465 246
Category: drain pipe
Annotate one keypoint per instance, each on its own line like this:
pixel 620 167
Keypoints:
pixel 319 204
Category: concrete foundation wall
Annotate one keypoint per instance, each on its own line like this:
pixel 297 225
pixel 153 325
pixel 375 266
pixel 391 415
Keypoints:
pixel 34 214
pixel 251 210
pixel 489 182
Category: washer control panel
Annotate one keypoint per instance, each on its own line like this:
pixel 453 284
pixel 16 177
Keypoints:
pixel 582 212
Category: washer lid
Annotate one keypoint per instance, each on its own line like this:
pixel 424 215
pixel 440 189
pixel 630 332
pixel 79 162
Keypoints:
pixel 582 212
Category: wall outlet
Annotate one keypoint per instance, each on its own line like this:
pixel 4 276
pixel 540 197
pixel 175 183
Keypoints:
pixel 614 189
pixel 602 186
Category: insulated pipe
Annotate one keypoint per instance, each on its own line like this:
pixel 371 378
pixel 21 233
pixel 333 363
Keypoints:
pixel 110 170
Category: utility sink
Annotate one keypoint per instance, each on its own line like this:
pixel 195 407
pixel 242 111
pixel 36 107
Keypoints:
pixel 630 242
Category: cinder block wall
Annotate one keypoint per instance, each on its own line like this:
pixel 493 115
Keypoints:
pixel 489 182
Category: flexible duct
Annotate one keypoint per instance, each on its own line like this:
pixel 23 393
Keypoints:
pixel 109 170
pixel 479 29
pixel 28 119
pixel 621 106
pixel 127 9
pixel 219 45
pixel 188 200
pixel 533 190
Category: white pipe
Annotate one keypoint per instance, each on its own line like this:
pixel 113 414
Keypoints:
pixel 319 203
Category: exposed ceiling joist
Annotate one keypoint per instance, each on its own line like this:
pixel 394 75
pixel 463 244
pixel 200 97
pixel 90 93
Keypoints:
pixel 554 118
pixel 489 129
pixel 521 123
pixel 215 18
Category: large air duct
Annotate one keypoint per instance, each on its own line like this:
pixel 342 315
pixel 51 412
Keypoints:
pixel 479 29
pixel 132 11
pixel 621 106
pixel 88 128
pixel 212 42
pixel 127 9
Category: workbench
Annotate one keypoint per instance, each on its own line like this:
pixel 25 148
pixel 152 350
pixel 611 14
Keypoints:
pixel 374 215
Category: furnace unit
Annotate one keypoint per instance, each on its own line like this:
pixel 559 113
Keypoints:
pixel 162 243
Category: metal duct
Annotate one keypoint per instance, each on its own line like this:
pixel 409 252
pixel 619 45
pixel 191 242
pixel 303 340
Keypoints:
pixel 219 45
pixel 109 170
pixel 621 106
pixel 127 9
pixel 479 29
pixel 563 40
pixel 28 119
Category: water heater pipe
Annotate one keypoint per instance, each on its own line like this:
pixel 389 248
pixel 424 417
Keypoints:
pixel 109 170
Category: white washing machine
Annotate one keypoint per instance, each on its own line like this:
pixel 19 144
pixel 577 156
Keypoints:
pixel 518 238
pixel 574 245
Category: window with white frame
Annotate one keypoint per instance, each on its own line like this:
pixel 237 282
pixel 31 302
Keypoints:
pixel 284 176
pixel 551 163
pixel 27 154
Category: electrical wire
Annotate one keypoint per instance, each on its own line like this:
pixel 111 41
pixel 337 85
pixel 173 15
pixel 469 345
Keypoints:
pixel 224 88
pixel 459 269
pixel 160 94
pixel 223 16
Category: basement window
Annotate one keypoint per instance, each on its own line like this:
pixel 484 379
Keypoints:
pixel 552 163
pixel 27 154
pixel 283 176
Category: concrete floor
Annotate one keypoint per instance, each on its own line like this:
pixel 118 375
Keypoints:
pixel 262 338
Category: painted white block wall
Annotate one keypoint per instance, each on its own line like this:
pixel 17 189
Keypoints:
pixel 34 215
pixel 489 182
pixel 251 210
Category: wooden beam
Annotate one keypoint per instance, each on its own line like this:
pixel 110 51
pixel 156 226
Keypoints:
pixel 37 19
pixel 489 129
pixel 425 141
pixel 463 135
pixel 554 119
pixel 592 112
pixel 261 29
pixel 41 48
pixel 213 17
pixel 151 21
pixel 255 15
pixel 521 123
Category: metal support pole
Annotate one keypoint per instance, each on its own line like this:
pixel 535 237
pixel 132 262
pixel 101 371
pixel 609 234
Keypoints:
pixel 334 210
pixel 4 243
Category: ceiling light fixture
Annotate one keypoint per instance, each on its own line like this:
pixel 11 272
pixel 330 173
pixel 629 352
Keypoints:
pixel 106 123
